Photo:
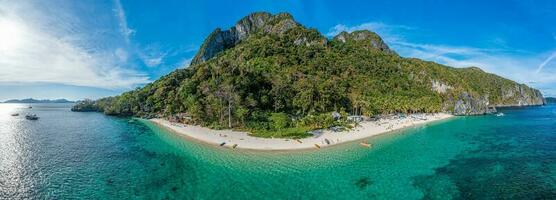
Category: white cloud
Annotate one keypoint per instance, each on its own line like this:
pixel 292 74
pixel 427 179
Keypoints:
pixel 37 48
pixel 550 58
pixel 383 29
pixel 151 62
pixel 152 56
pixel 185 63
pixel 517 65
pixel 121 54
pixel 124 29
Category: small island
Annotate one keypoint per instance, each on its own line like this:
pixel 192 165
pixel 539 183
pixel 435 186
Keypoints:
pixel 270 83
pixel 550 100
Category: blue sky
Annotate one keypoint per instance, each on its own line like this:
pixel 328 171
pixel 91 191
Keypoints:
pixel 93 48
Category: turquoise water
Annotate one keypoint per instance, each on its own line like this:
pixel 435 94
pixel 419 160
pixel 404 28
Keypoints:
pixel 67 155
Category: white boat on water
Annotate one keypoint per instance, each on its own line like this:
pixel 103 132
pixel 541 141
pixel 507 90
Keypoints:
pixel 499 114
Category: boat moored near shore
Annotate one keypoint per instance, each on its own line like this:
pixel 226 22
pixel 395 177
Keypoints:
pixel 365 144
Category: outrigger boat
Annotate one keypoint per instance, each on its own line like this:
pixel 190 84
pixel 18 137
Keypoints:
pixel 15 114
pixel 327 141
pixel 366 144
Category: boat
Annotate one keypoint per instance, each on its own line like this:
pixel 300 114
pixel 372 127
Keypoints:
pixel 318 146
pixel 30 107
pixel 31 117
pixel 499 114
pixel 327 141
pixel 365 144
pixel 299 141
pixel 15 114
pixel 222 144
pixel 235 145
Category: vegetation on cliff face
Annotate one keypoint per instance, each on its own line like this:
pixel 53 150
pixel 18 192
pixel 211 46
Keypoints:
pixel 268 74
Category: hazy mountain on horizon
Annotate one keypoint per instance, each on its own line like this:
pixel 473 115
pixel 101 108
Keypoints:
pixel 31 100
pixel 551 100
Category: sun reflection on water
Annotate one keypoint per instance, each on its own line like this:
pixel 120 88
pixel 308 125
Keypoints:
pixel 8 108
pixel 12 148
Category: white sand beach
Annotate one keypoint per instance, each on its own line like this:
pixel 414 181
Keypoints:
pixel 242 140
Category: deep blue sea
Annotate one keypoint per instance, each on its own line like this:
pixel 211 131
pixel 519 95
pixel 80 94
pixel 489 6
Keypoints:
pixel 68 155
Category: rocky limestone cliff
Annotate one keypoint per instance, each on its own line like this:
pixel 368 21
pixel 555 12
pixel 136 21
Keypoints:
pixel 367 38
pixel 518 95
pixel 220 40
pixel 469 105
pixel 522 95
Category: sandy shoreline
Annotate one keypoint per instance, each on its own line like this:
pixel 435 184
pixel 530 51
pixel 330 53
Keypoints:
pixel 242 140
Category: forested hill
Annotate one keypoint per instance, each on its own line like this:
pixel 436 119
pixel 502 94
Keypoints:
pixel 270 67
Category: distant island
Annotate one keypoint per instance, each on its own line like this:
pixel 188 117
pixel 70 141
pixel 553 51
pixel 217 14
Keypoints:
pixel 31 100
pixel 550 100
pixel 272 77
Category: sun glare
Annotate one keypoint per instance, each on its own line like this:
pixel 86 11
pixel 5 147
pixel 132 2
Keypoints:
pixel 10 35
pixel 7 109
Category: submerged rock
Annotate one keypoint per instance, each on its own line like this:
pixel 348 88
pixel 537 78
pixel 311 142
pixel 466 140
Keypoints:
pixel 363 182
